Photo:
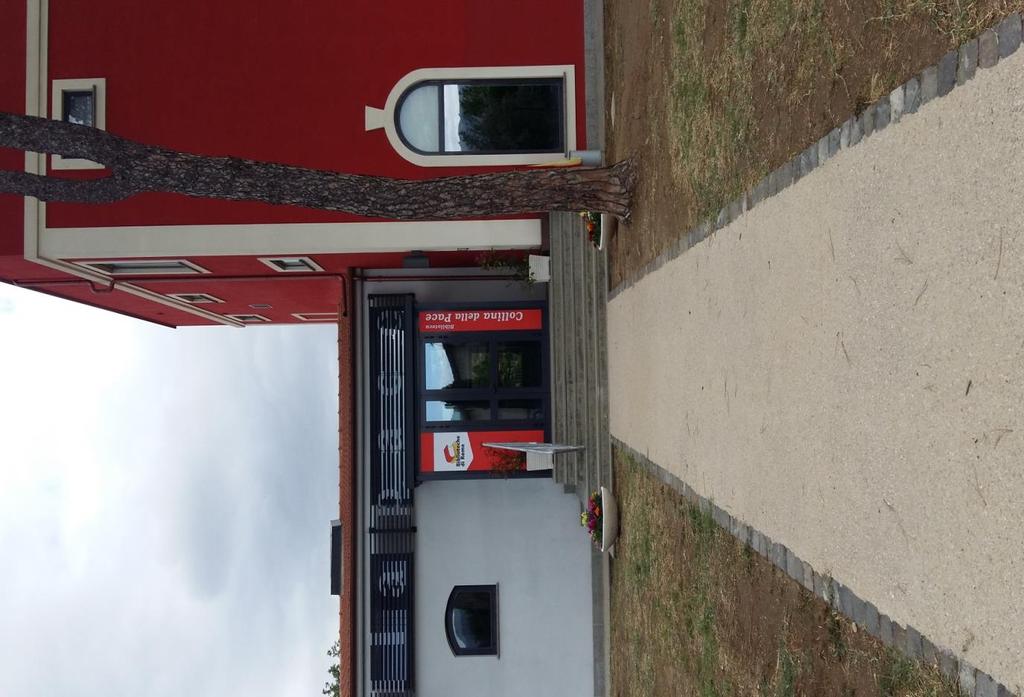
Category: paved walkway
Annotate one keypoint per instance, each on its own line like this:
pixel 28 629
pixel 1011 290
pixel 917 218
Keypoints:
pixel 843 368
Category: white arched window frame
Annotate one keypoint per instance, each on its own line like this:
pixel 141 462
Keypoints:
pixel 386 118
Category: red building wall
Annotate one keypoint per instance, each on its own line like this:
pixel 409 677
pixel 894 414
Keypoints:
pixel 282 81
pixel 12 99
pixel 262 79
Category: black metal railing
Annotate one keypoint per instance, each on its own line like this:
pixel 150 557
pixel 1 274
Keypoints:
pixel 392 462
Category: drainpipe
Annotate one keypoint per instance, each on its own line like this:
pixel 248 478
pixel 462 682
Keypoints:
pixel 588 158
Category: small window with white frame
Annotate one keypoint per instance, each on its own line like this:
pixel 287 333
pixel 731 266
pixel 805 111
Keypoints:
pixel 291 264
pixel 80 101
pixel 248 319
pixel 144 267
pixel 316 316
pixel 196 298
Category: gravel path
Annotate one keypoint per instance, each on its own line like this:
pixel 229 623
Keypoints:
pixel 843 369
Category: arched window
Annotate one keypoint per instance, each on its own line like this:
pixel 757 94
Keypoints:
pixel 471 620
pixel 450 117
pixel 483 117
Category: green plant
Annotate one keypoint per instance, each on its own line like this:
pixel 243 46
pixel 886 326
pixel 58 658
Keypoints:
pixel 835 635
pixel 505 462
pixel 592 517
pixel 517 264
pixel 592 224
pixel 332 688
pixel 787 673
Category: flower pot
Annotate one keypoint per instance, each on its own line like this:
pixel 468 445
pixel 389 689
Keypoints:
pixel 608 223
pixel 540 268
pixel 609 520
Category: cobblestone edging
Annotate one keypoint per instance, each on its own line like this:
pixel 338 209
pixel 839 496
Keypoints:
pixel 906 639
pixel 955 68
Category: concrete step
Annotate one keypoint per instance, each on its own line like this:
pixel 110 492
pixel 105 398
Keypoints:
pixel 578 299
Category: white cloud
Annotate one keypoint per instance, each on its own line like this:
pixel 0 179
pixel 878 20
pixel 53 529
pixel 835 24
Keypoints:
pixel 165 499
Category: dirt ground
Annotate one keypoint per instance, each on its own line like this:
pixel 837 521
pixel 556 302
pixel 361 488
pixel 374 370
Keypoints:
pixel 693 612
pixel 711 95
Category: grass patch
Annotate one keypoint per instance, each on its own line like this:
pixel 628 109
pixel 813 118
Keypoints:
pixel 776 51
pixel 665 598
pixel 693 613
pixel 641 562
pixel 712 95
pixel 714 115
pixel 901 677
pixel 959 20
pixel 835 636
pixel 787 674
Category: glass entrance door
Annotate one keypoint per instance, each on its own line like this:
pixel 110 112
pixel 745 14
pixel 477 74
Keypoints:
pixel 484 382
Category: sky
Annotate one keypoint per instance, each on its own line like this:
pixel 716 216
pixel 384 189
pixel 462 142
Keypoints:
pixel 165 505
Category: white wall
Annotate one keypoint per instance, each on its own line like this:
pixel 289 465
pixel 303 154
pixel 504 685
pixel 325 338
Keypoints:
pixel 523 535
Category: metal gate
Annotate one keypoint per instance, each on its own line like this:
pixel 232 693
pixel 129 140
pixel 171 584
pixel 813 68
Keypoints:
pixel 392 462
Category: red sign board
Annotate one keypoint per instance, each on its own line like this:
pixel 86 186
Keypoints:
pixel 462 451
pixel 495 320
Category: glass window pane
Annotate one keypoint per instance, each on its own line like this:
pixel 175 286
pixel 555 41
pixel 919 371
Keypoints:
pixel 496 118
pixel 520 364
pixel 80 107
pixel 418 118
pixel 456 365
pixel 458 410
pixel 471 620
pixel 521 409
pixel 142 267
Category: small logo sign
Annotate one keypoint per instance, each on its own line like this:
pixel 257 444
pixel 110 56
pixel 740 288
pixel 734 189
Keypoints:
pixel 452 452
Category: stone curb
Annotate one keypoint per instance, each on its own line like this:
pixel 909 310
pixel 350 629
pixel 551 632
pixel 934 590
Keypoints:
pixel 904 638
pixel 953 70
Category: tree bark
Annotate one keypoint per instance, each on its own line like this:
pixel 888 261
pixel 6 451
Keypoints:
pixel 135 168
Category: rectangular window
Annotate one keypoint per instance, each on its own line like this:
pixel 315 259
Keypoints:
pixel 80 107
pixel 503 116
pixel 291 264
pixel 459 410
pixel 521 409
pixel 249 319
pixel 83 102
pixel 196 298
pixel 457 365
pixel 520 364
pixel 144 267
pixel 316 316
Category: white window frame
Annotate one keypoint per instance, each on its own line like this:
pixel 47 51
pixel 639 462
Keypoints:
pixel 99 86
pixel 186 267
pixel 248 318
pixel 316 316
pixel 206 298
pixel 311 266
pixel 385 118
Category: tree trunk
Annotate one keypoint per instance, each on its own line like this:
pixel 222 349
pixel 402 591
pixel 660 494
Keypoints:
pixel 135 168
